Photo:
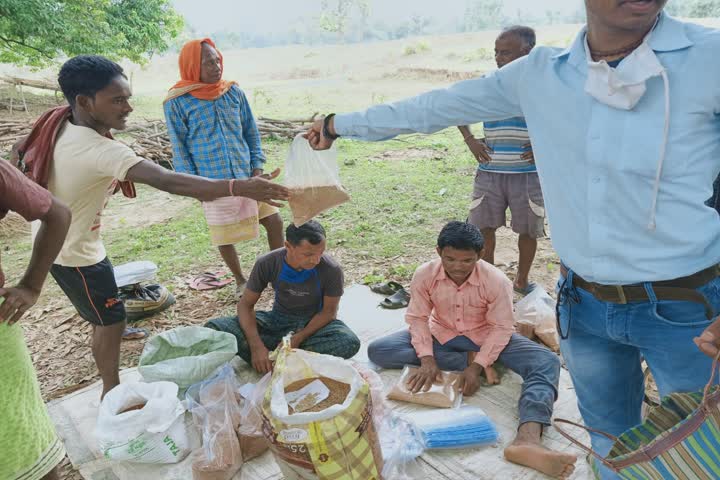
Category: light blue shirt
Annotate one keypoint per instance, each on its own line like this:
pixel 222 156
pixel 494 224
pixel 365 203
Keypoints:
pixel 597 164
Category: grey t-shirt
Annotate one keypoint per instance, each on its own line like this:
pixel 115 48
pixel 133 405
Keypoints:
pixel 296 293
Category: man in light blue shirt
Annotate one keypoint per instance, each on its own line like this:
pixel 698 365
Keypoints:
pixel 626 156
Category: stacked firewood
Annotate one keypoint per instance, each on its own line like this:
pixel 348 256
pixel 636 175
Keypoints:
pixel 13 130
pixel 149 139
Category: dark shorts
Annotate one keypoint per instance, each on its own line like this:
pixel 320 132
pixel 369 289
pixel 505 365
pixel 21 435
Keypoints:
pixel 495 192
pixel 93 292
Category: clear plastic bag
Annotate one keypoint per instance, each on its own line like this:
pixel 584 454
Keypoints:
pixel 252 441
pixel 401 445
pixel 215 408
pixel 463 427
pixel 313 178
pixel 537 310
pixel 443 394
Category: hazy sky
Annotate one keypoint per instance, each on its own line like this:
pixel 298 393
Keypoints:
pixel 276 15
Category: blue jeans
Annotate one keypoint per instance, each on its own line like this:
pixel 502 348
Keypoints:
pixel 606 343
pixel 538 366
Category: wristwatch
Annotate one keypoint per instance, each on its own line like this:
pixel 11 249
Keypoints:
pixel 325 131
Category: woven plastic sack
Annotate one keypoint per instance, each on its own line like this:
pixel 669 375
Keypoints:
pixel 143 423
pixel 340 441
pixel 186 355
pixel 313 178
pixel 679 439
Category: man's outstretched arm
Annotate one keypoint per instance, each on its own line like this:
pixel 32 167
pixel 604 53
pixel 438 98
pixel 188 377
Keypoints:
pixel 491 97
pixel 205 189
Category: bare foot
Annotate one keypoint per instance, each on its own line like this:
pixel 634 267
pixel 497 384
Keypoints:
pixel 533 455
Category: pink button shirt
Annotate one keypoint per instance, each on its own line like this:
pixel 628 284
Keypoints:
pixel 480 309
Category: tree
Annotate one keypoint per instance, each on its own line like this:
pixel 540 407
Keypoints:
pixel 335 15
pixel 703 8
pixel 483 14
pixel 694 8
pixel 418 24
pixel 36 32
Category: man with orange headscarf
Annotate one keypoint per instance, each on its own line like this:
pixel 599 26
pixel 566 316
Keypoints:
pixel 214 135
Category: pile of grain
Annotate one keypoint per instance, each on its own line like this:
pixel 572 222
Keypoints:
pixel 307 203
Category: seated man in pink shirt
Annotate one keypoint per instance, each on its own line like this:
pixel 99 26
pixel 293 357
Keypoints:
pixel 461 319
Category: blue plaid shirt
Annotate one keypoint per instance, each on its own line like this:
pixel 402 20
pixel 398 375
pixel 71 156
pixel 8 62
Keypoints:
pixel 214 138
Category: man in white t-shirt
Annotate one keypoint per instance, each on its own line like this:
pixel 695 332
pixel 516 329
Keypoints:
pixel 85 170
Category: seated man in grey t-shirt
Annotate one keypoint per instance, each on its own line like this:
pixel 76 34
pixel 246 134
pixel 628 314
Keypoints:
pixel 308 285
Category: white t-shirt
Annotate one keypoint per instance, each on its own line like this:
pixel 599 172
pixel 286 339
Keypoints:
pixel 85 171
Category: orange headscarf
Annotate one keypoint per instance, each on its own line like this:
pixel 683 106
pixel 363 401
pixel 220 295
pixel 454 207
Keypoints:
pixel 190 60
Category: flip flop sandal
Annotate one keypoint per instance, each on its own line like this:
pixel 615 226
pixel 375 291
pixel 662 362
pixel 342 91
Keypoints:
pixel 209 281
pixel 399 299
pixel 527 290
pixel 134 333
pixel 387 288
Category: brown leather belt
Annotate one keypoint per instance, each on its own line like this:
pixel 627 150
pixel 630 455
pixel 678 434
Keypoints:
pixel 679 289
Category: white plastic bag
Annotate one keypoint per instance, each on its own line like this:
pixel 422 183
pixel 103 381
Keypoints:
pixel 143 423
pixel 186 355
pixel 313 178
pixel 538 309
pixel 134 272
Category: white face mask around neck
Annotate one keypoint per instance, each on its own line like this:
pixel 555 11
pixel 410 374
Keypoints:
pixel 622 88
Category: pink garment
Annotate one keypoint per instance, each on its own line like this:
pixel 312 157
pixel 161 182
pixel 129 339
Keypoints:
pixel 480 309
pixel 230 210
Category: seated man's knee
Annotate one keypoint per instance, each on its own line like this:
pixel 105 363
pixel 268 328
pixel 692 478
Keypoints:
pixel 217 323
pixel 381 353
pixel 374 351
pixel 548 363
pixel 351 346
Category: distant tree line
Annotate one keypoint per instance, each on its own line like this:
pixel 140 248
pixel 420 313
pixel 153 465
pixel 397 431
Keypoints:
pixel 342 21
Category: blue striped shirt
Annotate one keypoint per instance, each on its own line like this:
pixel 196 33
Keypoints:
pixel 214 138
pixel 507 138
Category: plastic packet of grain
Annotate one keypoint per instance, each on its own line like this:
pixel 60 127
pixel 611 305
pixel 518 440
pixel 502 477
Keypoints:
pixel 443 394
pixel 313 178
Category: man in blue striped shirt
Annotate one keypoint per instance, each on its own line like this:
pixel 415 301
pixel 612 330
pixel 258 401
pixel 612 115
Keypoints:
pixel 214 135
pixel 506 175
